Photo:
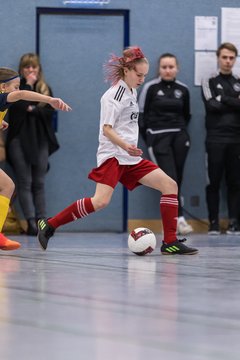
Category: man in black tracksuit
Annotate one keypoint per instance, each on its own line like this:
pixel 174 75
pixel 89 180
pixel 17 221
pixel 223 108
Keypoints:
pixel 221 96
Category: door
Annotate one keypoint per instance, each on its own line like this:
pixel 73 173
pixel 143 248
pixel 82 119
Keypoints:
pixel 73 47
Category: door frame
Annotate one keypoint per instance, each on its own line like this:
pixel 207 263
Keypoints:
pixel 40 11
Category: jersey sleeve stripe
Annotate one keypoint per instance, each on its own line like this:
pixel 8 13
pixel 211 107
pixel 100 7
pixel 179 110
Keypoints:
pixel 206 89
pixel 119 94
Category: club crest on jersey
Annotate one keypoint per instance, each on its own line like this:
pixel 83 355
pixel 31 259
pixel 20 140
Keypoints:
pixel 178 94
pixel 236 87
pixel 134 115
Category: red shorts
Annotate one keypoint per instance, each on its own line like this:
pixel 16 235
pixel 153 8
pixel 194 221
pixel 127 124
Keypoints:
pixel 110 173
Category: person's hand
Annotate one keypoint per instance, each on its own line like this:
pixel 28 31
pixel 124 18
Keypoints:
pixel 133 150
pixel 4 125
pixel 59 104
pixel 31 79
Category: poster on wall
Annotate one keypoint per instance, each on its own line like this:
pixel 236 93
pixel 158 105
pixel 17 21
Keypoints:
pixel 206 30
pixel 205 66
pixel 236 68
pixel 230 26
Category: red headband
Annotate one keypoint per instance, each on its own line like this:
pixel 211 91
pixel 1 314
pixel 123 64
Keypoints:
pixel 135 54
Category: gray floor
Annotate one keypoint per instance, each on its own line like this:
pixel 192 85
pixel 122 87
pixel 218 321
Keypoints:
pixel 89 298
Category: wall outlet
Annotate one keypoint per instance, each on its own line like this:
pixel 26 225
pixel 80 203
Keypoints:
pixel 195 201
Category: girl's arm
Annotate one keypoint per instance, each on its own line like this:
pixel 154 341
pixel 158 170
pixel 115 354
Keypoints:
pixel 56 103
pixel 115 139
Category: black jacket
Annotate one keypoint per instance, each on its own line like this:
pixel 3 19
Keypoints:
pixel 32 128
pixel 220 95
pixel 167 106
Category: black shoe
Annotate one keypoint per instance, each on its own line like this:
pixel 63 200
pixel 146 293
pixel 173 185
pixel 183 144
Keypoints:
pixel 32 229
pixel 233 228
pixel 45 231
pixel 177 248
pixel 214 228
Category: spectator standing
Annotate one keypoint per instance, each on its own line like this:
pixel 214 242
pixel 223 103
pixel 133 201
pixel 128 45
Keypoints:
pixel 221 97
pixel 164 115
pixel 30 141
pixel 10 93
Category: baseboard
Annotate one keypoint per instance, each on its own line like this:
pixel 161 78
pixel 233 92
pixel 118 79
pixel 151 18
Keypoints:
pixel 199 226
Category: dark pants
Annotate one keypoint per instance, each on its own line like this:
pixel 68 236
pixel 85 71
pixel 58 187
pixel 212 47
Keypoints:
pixel 223 159
pixel 30 179
pixel 169 150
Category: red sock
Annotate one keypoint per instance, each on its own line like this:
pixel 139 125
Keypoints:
pixel 78 209
pixel 169 212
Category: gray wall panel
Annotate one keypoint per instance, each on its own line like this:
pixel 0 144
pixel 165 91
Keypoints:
pixel 72 56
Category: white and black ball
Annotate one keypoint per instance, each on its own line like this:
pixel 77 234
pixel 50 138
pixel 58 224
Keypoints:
pixel 141 241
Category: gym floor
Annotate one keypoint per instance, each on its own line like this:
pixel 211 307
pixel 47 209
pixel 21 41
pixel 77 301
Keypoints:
pixel 87 297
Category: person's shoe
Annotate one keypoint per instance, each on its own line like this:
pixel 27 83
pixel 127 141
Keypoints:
pixel 233 228
pixel 183 228
pixel 32 229
pixel 214 228
pixel 177 248
pixel 45 231
pixel 7 244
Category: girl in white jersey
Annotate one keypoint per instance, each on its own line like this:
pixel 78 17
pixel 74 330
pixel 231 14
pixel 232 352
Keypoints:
pixel 118 157
pixel 9 93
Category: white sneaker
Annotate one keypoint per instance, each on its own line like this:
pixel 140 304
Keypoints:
pixel 183 228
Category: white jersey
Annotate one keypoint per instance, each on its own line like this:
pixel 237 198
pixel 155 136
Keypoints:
pixel 119 108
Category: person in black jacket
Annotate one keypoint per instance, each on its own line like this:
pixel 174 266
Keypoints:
pixel 164 115
pixel 221 97
pixel 10 93
pixel 30 140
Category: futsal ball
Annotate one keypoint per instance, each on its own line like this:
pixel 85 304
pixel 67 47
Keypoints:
pixel 141 241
